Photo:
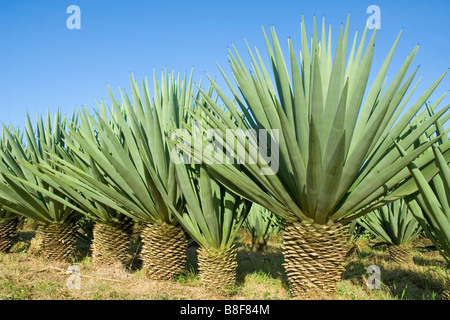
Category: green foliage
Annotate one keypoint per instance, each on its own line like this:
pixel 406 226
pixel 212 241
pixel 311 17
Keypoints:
pixel 261 223
pixel 337 156
pixel 68 182
pixel 430 205
pixel 213 214
pixel 22 191
pixel 122 158
pixel 6 216
pixel 392 224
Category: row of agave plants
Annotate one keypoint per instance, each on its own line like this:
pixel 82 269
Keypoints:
pixel 345 151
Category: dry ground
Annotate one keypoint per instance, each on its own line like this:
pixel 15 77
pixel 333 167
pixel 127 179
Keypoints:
pixel 260 276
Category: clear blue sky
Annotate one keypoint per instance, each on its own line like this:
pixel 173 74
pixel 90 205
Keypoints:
pixel 44 65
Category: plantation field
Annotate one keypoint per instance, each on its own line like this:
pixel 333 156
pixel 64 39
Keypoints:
pixel 260 276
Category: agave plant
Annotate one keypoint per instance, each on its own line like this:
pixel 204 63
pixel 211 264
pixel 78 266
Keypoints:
pixel 24 193
pixel 395 226
pixel 213 217
pixel 131 164
pixel 8 220
pixel 112 229
pixel 261 223
pixel 430 205
pixel 337 159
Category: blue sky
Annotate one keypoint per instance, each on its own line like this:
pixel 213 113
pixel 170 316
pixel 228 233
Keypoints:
pixel 44 65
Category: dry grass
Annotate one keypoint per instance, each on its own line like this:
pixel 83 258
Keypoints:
pixel 260 277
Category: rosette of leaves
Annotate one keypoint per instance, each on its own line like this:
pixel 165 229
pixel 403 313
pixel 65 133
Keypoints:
pixel 24 193
pixel 213 217
pixel 261 224
pixel 395 226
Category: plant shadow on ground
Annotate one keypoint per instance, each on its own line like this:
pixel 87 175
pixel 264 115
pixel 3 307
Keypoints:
pixel 267 262
pixel 22 241
pixel 408 281
pixel 134 262
pixel 427 259
pixel 408 284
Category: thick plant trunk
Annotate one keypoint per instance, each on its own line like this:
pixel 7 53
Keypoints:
pixel 163 251
pixel 400 254
pixel 314 256
pixel 110 244
pixel 8 232
pixel 259 245
pixel 217 269
pixel 58 241
pixel 446 293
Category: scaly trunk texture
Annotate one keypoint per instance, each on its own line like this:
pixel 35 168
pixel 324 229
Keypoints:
pixel 110 244
pixel 400 254
pixel 58 241
pixel 8 232
pixel 314 256
pixel 217 269
pixel 163 251
pixel 446 293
